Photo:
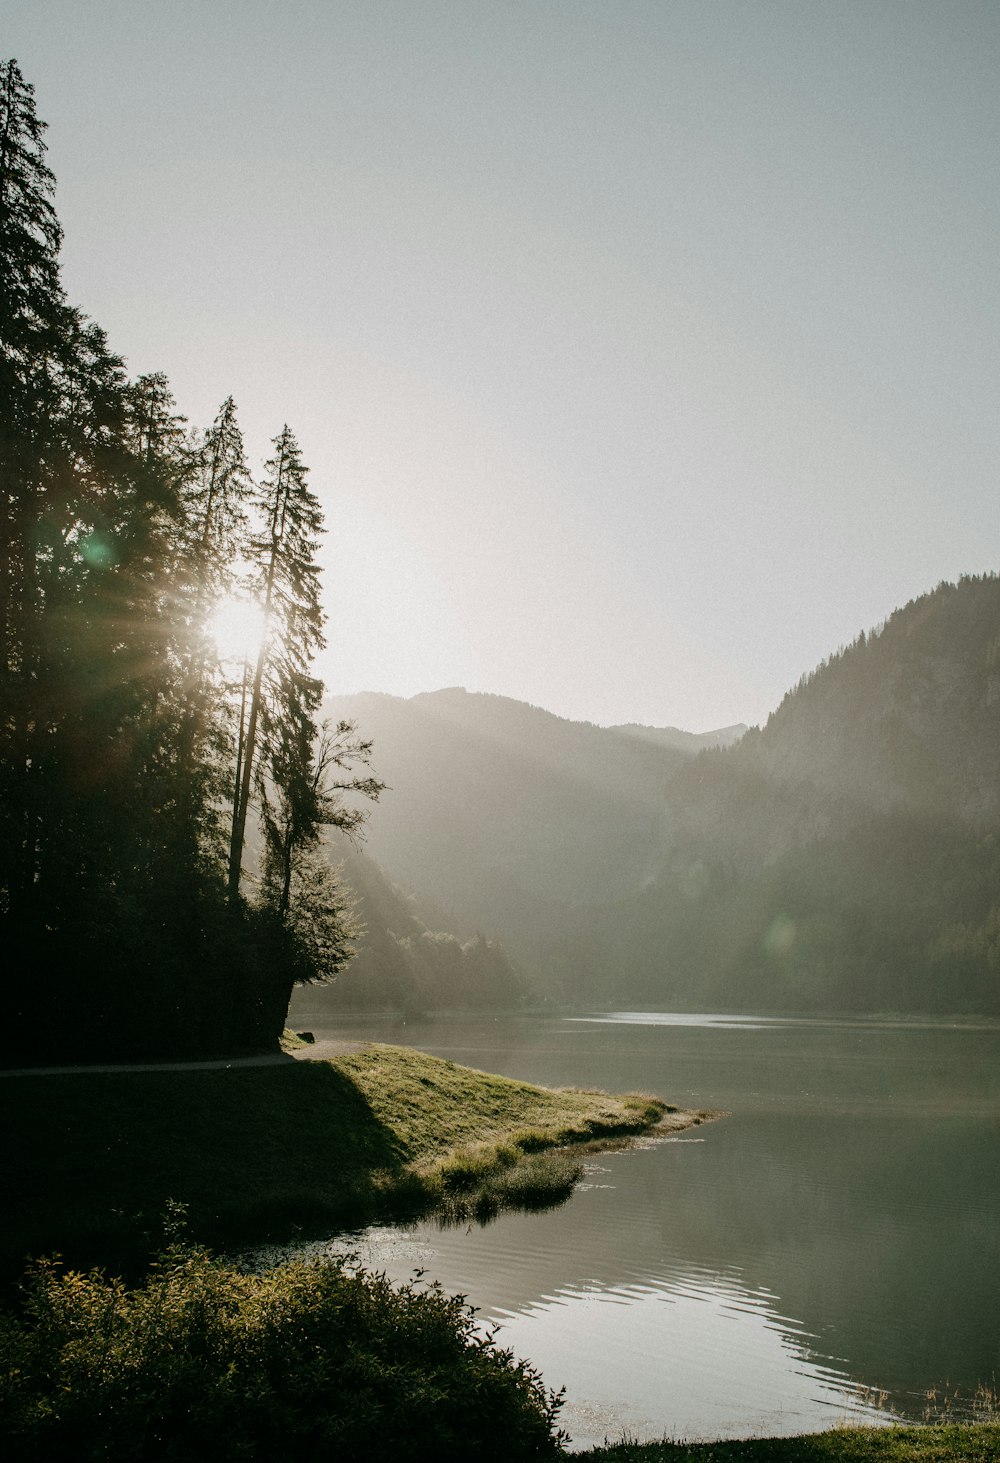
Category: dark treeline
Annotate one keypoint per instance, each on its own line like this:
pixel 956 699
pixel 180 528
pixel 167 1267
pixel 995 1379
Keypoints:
pixel 162 789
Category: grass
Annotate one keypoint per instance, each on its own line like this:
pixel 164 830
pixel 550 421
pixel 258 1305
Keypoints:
pixel 949 1444
pixel 91 1159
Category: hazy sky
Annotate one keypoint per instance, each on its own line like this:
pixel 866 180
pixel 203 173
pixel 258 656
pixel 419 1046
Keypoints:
pixel 642 353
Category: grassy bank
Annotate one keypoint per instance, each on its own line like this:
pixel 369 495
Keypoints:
pixel 952 1444
pixel 92 1158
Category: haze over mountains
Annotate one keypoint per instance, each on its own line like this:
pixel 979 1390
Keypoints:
pixel 409 958
pixel 843 858
pixel 682 741
pixel 511 818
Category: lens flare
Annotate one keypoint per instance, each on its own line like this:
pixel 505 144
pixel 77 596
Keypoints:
pixel 98 550
pixel 781 936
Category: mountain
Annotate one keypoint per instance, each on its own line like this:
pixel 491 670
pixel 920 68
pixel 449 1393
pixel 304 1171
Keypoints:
pixel 845 857
pixel 510 819
pixel 682 741
pixel 906 719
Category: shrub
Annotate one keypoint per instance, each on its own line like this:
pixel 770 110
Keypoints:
pixel 473 1165
pixel 312 1360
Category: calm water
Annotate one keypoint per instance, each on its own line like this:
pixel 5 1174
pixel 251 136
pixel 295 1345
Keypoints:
pixel 835 1238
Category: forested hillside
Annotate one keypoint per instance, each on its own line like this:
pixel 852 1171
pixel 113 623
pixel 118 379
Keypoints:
pixel 846 857
pixel 405 961
pixel 906 719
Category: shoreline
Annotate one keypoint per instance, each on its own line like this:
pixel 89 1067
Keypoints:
pixel 913 1443
pixel 293 1146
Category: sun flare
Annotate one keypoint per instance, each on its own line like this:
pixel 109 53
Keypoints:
pixel 236 628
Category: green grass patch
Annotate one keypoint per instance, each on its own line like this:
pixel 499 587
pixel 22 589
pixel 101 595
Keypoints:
pixel 92 1158
pixel 950 1444
pixel 290 1041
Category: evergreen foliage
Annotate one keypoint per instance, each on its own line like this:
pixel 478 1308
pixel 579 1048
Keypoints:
pixel 133 748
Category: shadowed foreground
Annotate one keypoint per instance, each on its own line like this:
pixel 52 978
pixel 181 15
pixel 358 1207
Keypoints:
pixel 93 1158
pixel 302 1362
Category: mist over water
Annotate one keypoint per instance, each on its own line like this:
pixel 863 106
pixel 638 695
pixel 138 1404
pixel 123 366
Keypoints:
pixel 830 1240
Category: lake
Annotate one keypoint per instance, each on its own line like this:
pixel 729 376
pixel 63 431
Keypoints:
pixel 829 1250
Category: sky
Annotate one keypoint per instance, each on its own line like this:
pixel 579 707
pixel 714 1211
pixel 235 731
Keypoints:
pixel 642 354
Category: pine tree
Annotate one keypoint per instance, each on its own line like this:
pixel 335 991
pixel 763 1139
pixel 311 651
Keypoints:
pixel 60 441
pixel 89 634
pixel 284 696
pixel 33 311
pixel 33 319
pixel 217 502
pixel 216 543
pixel 297 774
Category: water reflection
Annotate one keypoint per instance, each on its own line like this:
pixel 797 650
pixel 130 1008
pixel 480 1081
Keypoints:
pixel 680 1018
pixel 686 1351
pixel 695 1356
pixel 837 1233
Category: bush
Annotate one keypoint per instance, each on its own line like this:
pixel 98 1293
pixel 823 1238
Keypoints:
pixel 313 1360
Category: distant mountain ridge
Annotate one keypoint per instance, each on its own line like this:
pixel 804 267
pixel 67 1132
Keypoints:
pixel 682 741
pixel 846 857
pixel 508 817
pixel 905 719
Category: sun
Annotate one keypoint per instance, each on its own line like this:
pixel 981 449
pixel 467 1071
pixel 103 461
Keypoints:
pixel 236 629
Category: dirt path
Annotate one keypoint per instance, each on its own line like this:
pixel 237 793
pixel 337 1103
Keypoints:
pixel 319 1051
pixel 322 1051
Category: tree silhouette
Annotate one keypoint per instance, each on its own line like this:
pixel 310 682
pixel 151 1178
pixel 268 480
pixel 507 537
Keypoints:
pixel 122 816
pixel 283 695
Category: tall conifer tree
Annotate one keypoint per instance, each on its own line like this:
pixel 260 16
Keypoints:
pixel 32 324
pixel 284 695
pixel 216 545
pixel 60 451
